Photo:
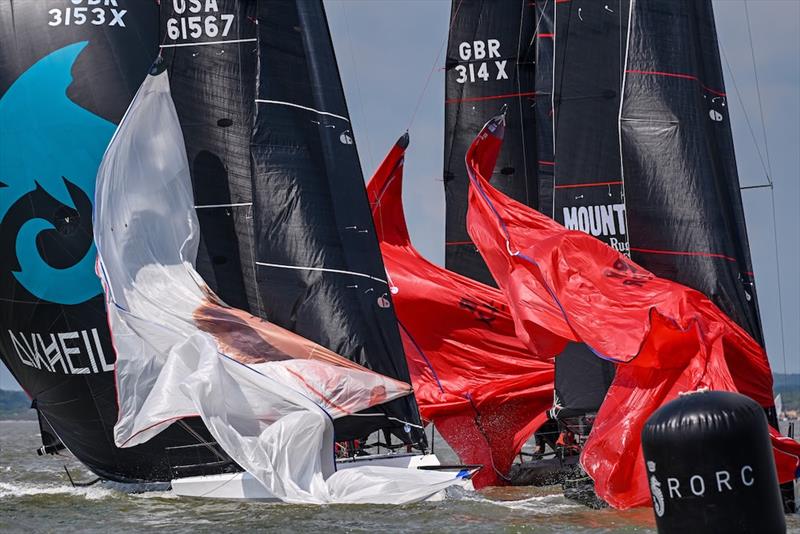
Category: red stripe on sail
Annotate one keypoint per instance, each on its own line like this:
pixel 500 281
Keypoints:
pixel 492 97
pixel 677 75
pixel 685 253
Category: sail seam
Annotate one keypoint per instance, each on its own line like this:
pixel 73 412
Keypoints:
pixel 321 269
pixel 293 105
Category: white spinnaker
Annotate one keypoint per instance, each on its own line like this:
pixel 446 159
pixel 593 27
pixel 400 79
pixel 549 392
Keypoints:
pixel 273 416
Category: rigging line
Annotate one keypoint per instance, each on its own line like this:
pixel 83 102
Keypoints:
pixel 769 179
pixel 778 273
pixel 746 116
pixel 201 441
pixel 758 88
pixel 358 83
pixel 433 68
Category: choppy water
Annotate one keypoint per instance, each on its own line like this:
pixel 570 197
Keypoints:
pixel 35 496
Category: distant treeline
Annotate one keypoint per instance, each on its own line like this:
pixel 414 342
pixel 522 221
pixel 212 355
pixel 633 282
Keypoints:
pixel 15 405
pixel 788 387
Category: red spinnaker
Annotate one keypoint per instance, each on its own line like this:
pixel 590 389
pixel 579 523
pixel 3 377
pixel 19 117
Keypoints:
pixel 666 338
pixel 483 388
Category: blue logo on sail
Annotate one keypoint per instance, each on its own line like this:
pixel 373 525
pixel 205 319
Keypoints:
pixel 49 144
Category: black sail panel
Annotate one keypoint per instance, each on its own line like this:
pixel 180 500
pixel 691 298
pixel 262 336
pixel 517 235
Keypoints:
pixel 490 64
pixel 590 39
pixel 67 74
pixel 213 87
pixel 543 108
pixel 684 204
pixel 590 42
pixel 319 267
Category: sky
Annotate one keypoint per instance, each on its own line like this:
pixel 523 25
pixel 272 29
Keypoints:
pixel 390 55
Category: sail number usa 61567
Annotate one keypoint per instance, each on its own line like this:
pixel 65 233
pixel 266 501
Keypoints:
pixel 196 19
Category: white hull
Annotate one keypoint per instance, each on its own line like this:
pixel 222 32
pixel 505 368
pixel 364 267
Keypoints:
pixel 242 486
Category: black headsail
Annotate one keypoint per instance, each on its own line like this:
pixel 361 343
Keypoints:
pixel 490 63
pixel 318 264
pixel 681 184
pixel 68 71
pixel 590 39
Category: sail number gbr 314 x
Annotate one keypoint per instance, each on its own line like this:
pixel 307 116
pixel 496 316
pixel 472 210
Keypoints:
pixel 473 69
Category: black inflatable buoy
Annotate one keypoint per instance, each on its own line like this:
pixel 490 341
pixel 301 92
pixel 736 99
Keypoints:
pixel 710 466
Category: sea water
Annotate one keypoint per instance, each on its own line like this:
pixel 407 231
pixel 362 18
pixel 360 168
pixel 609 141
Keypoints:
pixel 36 496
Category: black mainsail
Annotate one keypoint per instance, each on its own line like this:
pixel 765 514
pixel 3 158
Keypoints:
pixel 490 64
pixel 212 78
pixel 679 169
pixel 286 231
pixel 319 268
pixel 67 75
pixel 588 50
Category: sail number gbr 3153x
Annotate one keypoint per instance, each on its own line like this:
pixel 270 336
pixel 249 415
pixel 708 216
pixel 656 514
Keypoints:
pixel 473 69
pixel 94 12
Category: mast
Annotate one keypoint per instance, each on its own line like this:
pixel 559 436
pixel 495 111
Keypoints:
pixel 490 63
pixel 681 183
pixel 67 75
pixel 318 265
